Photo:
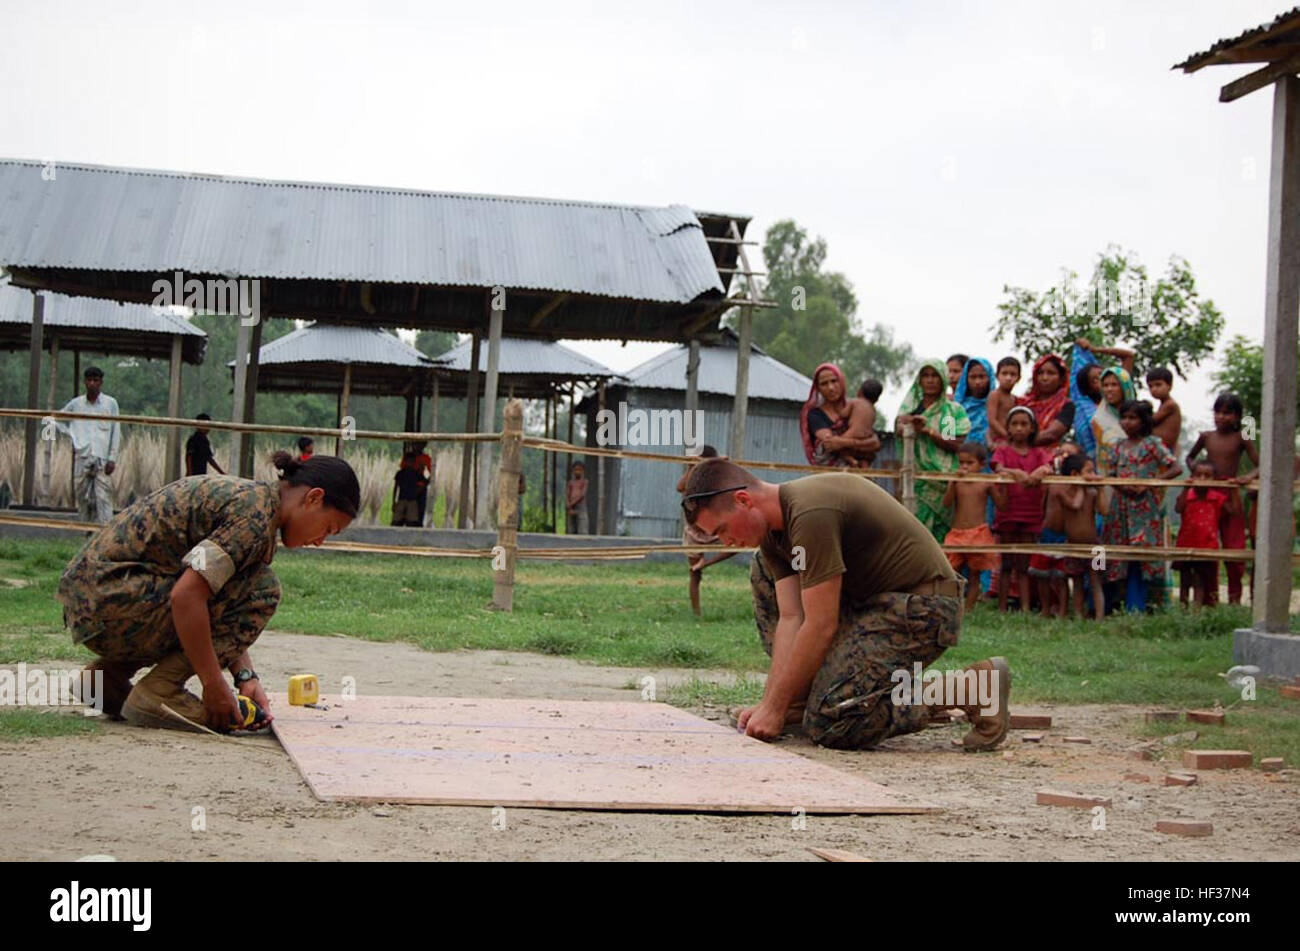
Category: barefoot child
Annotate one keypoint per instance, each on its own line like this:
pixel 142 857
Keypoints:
pixel 1201 510
pixel 1053 590
pixel 575 501
pixel 1167 422
pixel 969 522
pixel 1137 518
pixel 1000 400
pixel 1081 504
pixel 181 580
pixel 1224 445
pixel 1021 519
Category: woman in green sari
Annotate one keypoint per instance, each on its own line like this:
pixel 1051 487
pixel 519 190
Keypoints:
pixel 1116 389
pixel 941 425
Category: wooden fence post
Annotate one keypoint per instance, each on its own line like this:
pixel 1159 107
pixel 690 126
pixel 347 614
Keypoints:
pixel 909 469
pixel 503 557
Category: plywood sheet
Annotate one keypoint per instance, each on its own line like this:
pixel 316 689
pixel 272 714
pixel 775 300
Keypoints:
pixel 558 754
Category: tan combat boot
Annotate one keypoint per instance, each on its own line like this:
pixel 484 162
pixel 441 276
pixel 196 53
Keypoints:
pixel 164 684
pixel 987 731
pixel 117 684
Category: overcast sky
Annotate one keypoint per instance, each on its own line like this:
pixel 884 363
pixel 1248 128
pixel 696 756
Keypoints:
pixel 942 149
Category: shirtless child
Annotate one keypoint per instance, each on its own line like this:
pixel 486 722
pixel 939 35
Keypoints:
pixel 1167 423
pixel 969 524
pixel 1000 400
pixel 1081 504
pixel 1224 446
pixel 1053 589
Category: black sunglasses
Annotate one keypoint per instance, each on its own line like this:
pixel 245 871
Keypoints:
pixel 690 504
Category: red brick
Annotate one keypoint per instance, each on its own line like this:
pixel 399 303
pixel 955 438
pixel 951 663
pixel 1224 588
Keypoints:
pixel 1141 754
pixel 1271 764
pixel 1184 827
pixel 1137 777
pixel 1290 691
pixel 1217 759
pixel 1215 717
pixel 1032 738
pixel 1180 779
pixel 1077 739
pixel 1052 797
pixel 1030 721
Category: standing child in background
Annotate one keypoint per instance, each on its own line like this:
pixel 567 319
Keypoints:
pixel 306 448
pixel 1053 589
pixel 198 451
pixel 575 501
pixel 1224 446
pixel 1201 510
pixel 1000 401
pixel 1082 504
pixel 955 363
pixel 969 522
pixel 1167 421
pixel 1021 519
pixel 1137 518
pixel 406 492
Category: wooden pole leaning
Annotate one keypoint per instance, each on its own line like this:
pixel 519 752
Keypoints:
pixel 503 561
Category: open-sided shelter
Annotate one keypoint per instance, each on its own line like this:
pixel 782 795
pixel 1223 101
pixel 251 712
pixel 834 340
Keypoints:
pixel 80 324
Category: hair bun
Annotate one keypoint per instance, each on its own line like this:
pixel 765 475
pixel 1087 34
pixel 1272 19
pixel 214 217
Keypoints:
pixel 286 463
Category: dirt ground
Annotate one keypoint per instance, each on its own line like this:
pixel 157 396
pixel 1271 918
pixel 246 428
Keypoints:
pixel 131 793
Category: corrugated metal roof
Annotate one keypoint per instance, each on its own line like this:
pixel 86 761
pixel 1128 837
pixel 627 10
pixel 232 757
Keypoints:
pixel 329 343
pixel 768 378
pixel 1205 58
pixel 104 218
pixel 63 311
pixel 527 356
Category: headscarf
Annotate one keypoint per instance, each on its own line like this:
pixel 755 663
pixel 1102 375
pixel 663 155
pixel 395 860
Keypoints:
pixel 1107 416
pixel 947 416
pixel 1046 408
pixel 975 406
pixel 815 401
pixel 1081 361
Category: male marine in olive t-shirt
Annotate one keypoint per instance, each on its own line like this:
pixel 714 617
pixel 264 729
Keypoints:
pixel 861 591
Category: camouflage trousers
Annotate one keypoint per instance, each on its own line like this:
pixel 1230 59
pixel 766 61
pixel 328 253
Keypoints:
pixel 123 613
pixel 849 705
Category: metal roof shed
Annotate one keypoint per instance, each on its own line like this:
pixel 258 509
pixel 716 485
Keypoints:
pixel 348 361
pixel 640 500
pixel 1270 645
pixel 377 256
pixel 81 323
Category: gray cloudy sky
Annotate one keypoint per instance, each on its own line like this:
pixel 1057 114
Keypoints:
pixel 942 148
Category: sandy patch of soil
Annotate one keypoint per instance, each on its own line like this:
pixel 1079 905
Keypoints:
pixel 132 793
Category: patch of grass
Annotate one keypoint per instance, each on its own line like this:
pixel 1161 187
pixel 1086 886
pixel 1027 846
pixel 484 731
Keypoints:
pixel 741 692
pixel 1267 726
pixel 22 723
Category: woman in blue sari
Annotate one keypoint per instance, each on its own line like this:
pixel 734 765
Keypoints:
pixel 972 394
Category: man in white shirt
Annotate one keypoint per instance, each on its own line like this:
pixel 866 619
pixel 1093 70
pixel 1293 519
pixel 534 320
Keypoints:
pixel 96 444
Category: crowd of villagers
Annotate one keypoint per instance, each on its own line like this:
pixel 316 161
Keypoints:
pixel 1082 418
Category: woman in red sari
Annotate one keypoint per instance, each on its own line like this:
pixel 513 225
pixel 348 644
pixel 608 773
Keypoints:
pixel 1049 400
pixel 826 423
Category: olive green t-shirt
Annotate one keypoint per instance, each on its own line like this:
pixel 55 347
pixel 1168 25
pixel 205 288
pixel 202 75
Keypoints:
pixel 848 525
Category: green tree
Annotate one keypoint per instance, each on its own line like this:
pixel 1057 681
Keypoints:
pixel 1242 373
pixel 1166 322
pixel 815 320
